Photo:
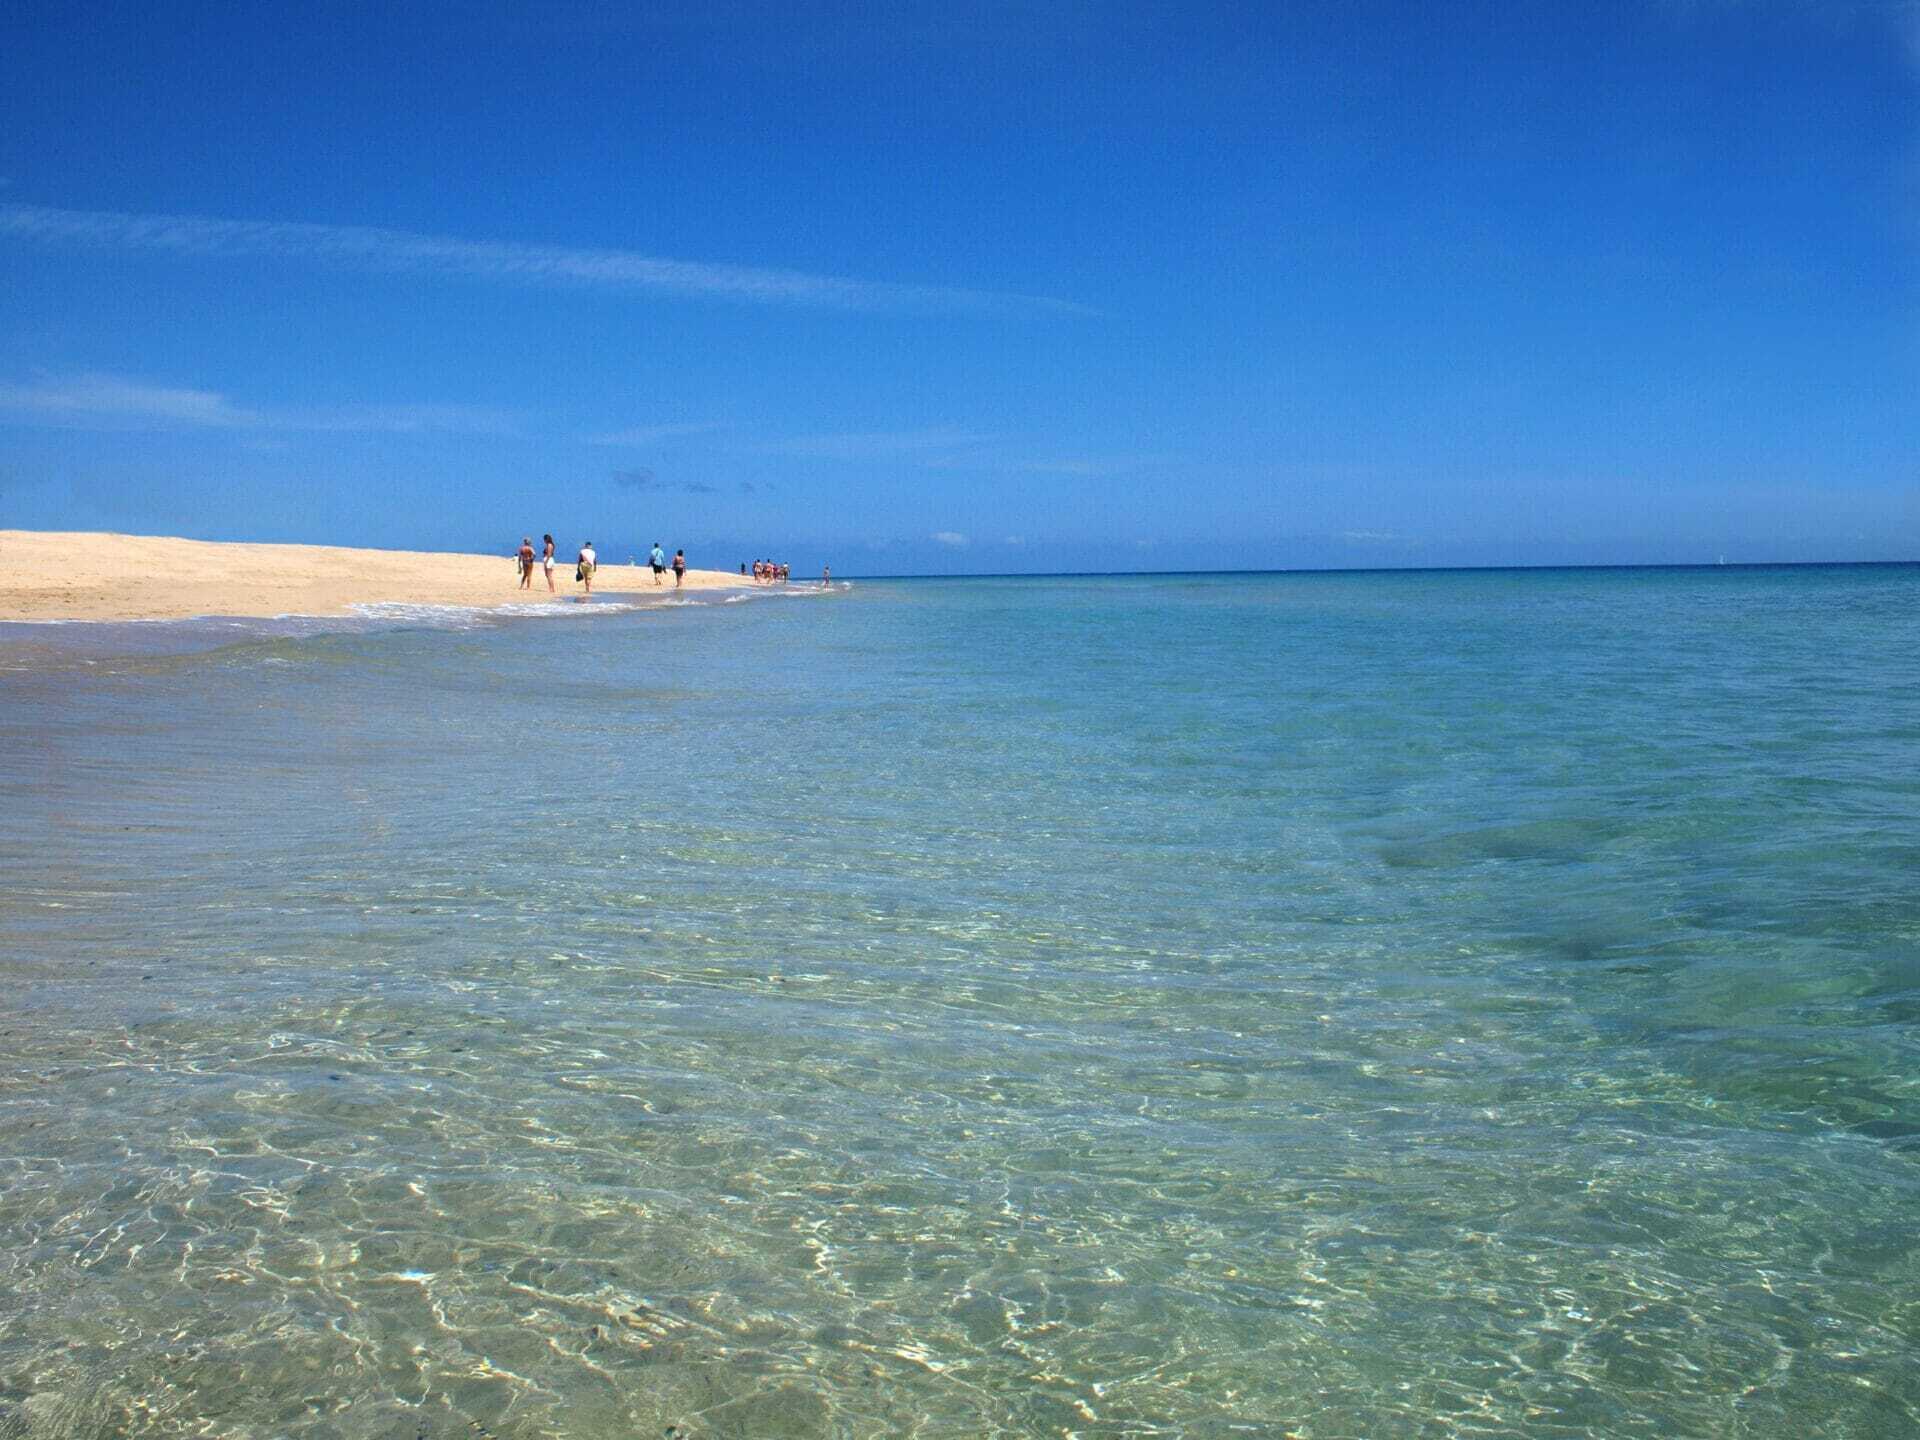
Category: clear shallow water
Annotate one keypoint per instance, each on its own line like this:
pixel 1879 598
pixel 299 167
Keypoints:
pixel 1348 1005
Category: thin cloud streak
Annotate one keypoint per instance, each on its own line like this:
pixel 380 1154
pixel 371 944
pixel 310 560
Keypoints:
pixel 643 435
pixel 401 420
pixel 114 399
pixel 366 248
pixel 1092 468
pixel 648 482
pixel 97 401
pixel 875 445
pixel 1096 466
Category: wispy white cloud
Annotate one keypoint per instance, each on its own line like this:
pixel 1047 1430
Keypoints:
pixel 952 448
pixel 114 400
pixel 876 445
pixel 953 539
pixel 401 420
pixel 640 436
pixel 366 248
pixel 1006 460
pixel 646 480
pixel 1094 466
pixel 1068 467
pixel 92 400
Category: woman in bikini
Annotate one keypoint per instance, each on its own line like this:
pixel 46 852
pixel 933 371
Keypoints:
pixel 547 560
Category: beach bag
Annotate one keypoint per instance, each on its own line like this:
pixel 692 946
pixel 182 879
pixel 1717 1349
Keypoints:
pixel 580 572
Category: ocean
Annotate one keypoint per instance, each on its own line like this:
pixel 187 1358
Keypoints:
pixel 1318 1005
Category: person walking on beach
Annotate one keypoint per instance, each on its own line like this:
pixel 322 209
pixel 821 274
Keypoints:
pixel 526 562
pixel 584 570
pixel 546 562
pixel 679 567
pixel 658 559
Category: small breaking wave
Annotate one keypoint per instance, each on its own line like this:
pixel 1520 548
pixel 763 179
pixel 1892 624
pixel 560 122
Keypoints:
pixel 469 617
pixel 798 592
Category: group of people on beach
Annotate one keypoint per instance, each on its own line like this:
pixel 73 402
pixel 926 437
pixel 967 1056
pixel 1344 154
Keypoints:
pixel 588 562
pixel 657 558
pixel 765 572
pixel 525 560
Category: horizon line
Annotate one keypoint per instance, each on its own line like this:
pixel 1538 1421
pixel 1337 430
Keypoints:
pixel 1389 569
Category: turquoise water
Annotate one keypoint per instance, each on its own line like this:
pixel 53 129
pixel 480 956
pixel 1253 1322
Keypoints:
pixel 1472 1004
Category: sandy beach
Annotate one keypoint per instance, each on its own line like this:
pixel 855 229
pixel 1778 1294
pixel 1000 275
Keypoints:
pixel 49 575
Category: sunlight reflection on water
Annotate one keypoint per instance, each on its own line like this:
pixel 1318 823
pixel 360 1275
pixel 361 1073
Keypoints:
pixel 1354 1005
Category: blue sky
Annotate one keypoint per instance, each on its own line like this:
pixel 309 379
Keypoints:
pixel 989 288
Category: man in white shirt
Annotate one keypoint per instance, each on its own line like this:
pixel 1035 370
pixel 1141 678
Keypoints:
pixel 585 568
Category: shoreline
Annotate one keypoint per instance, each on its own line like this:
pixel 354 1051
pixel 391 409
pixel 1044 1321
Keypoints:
pixel 101 576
